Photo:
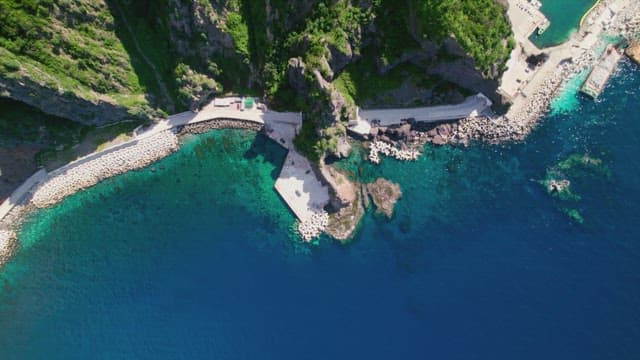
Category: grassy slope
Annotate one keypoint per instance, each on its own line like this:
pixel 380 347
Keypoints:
pixel 70 46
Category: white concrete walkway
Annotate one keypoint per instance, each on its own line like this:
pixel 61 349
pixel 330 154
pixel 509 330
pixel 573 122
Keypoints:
pixel 211 112
pixel 299 187
pixel 472 106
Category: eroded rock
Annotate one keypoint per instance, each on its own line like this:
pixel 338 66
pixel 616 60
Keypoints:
pixel 385 195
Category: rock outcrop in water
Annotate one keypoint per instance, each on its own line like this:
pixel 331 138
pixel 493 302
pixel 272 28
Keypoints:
pixel 633 51
pixel 384 194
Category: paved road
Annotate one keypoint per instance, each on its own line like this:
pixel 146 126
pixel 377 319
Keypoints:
pixel 211 112
pixel 472 106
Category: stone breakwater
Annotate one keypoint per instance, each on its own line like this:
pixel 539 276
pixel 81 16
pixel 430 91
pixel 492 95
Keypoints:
pixel 204 126
pixel 7 242
pixel 314 226
pixel 89 171
pixel 379 147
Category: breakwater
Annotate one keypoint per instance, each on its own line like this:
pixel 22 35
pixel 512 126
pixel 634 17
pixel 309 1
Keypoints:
pixel 90 170
pixel 571 59
pixel 204 126
pixel 7 242
pixel 314 226
pixel 379 147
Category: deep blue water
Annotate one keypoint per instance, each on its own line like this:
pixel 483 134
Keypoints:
pixel 197 260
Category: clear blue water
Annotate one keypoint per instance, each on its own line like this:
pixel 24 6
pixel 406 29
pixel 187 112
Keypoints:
pixel 197 260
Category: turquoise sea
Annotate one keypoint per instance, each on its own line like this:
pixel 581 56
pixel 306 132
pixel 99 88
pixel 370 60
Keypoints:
pixel 565 16
pixel 194 257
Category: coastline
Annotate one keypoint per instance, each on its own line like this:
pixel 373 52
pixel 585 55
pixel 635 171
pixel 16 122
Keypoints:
pixel 163 139
pixel 565 61
pixel 137 153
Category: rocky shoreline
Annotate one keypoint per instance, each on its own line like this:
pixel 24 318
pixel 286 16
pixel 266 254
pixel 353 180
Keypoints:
pixel 518 123
pixel 7 243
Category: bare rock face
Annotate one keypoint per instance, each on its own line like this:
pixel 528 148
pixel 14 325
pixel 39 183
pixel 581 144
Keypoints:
pixel 464 73
pixel 343 191
pixel 346 203
pixel 343 224
pixel 191 18
pixel 344 147
pixel 341 57
pixel 384 194
pixel 633 51
pixel 296 70
pixel 99 111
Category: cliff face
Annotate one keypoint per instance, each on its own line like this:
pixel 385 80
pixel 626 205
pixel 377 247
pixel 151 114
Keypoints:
pixel 115 58
pixel 633 51
pixel 66 105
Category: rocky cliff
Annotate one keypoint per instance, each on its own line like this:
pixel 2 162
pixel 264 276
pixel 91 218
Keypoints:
pixel 633 51
pixel 124 57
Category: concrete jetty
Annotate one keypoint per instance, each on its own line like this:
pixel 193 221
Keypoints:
pixel 297 183
pixel 600 74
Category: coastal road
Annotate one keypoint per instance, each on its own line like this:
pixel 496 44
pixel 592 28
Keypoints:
pixel 211 112
pixel 472 106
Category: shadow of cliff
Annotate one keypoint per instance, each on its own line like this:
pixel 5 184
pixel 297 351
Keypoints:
pixel 142 27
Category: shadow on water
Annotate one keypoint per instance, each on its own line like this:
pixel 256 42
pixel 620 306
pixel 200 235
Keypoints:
pixel 270 152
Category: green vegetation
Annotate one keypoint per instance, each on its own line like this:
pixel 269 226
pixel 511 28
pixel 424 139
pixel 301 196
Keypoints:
pixel 193 86
pixel 172 55
pixel 70 44
pixel 480 26
pixel 58 140
pixel 239 31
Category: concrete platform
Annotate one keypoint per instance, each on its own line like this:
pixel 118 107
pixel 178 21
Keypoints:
pixel 299 187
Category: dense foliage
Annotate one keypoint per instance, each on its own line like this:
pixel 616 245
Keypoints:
pixel 480 26
pixel 173 52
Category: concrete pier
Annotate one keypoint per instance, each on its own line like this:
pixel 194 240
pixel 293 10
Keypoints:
pixel 600 74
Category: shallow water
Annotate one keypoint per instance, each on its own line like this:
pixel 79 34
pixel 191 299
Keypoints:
pixel 565 16
pixel 197 260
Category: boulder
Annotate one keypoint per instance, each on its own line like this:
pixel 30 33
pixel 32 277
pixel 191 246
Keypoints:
pixel 438 140
pixel 296 74
pixel 633 51
pixel 384 194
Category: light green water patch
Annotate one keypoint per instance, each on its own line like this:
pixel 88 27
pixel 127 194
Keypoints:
pixel 568 99
pixel 565 18
pixel 223 179
pixel 443 180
